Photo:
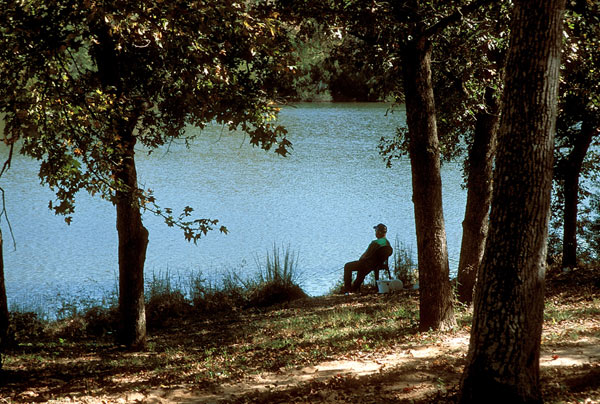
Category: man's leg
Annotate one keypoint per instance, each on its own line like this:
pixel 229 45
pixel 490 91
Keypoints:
pixel 360 277
pixel 348 268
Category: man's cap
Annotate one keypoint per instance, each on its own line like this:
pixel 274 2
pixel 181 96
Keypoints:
pixel 381 227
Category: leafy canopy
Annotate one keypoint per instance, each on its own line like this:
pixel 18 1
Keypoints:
pixel 77 77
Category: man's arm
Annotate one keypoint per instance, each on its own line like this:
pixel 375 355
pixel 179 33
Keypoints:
pixel 370 250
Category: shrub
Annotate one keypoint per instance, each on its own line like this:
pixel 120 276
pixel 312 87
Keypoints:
pixel 210 297
pixel 168 299
pixel 100 321
pixel 73 327
pixel 271 293
pixel 24 327
pixel 162 309
pixel 219 301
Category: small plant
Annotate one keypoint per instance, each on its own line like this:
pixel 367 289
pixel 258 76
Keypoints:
pixel 403 264
pixel 555 315
pixel 337 287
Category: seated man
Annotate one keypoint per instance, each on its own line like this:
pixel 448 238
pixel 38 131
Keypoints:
pixel 370 260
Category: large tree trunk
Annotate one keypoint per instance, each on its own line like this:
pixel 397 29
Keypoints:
pixel 133 241
pixel 479 196
pixel 572 172
pixel 503 359
pixel 435 297
pixel 4 318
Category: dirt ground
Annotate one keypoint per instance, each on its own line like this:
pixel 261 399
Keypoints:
pixel 419 373
pixel 423 371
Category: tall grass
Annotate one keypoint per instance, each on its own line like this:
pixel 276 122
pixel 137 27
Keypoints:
pixel 168 298
pixel 404 267
pixel 281 266
pixel 277 280
pixel 165 299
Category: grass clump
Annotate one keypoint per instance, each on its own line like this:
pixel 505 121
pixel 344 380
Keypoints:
pixel 165 301
pixel 277 280
pixel 210 297
pixel 405 268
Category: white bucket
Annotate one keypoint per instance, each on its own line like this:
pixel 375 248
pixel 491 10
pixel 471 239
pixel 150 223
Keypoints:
pixel 396 284
pixel 383 286
pixel 388 286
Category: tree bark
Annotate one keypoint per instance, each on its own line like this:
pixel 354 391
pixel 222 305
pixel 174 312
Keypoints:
pixel 479 196
pixel 503 359
pixel 435 292
pixel 133 241
pixel 572 172
pixel 4 317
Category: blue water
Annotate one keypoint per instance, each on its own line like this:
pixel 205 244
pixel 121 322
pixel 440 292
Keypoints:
pixel 322 201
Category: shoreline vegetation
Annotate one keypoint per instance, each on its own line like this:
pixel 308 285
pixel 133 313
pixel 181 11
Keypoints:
pixel 261 339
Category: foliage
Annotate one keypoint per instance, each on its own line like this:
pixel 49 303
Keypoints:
pixel 272 293
pixel 353 71
pixel 311 44
pixel 24 326
pixel 277 279
pixel 333 67
pixel 165 308
pixel 468 58
pixel 579 112
pixel 213 297
pixel 101 321
pixel 404 266
pixel 77 75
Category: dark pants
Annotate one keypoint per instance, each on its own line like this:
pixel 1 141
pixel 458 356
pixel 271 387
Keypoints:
pixel 362 269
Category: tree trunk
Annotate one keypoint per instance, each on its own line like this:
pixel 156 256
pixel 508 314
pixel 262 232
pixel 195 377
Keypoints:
pixel 4 318
pixel 572 173
pixel 435 297
pixel 479 196
pixel 133 241
pixel 503 359
pixel 133 236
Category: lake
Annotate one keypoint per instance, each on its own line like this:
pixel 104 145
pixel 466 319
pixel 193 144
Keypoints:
pixel 321 202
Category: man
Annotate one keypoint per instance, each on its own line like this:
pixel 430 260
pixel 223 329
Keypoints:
pixel 367 262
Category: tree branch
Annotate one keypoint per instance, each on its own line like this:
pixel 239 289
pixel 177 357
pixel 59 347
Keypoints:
pixel 8 161
pixel 454 17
